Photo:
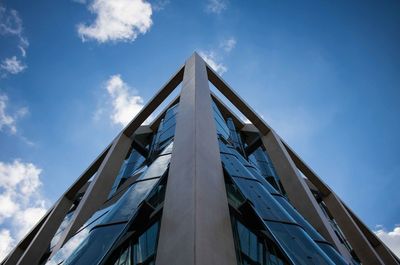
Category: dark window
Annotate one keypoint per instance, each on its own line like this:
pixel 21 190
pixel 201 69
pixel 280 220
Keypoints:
pixel 140 250
pixel 254 249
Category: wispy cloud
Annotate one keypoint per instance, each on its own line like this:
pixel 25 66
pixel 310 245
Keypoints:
pixel 124 100
pixel 11 25
pixel 159 5
pixel 212 59
pixel 390 238
pixel 10 120
pixel 21 200
pixel 228 44
pixel 216 6
pixel 13 65
pixel 117 20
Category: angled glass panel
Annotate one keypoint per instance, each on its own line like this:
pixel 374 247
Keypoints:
pixel 128 203
pixel 332 253
pixel 297 244
pixel 263 201
pixel 254 249
pixel 92 249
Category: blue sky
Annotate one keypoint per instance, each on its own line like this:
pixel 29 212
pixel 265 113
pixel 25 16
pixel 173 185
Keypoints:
pixel 325 75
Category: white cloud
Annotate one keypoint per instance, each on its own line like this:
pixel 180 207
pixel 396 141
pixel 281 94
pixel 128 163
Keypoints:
pixel 12 65
pixel 6 243
pixel 10 22
pixel 391 238
pixel 212 60
pixel 10 120
pixel 11 25
pixel 216 6
pixel 228 44
pixel 117 20
pixel 124 101
pixel 22 204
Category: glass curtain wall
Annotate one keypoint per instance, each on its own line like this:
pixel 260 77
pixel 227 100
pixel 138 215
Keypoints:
pixel 94 243
pixel 255 183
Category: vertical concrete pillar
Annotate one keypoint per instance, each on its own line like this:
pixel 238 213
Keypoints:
pixel 358 241
pixel 38 247
pixel 366 245
pixel 297 190
pixel 98 190
pixel 295 186
pixel 32 248
pixel 195 225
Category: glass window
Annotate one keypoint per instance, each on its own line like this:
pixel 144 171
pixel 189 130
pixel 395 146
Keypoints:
pixel 332 253
pixel 297 244
pixel 235 197
pixel 298 218
pixel 144 248
pixel 140 250
pixel 264 203
pixel 168 149
pixel 128 203
pixel 92 249
pixel 253 249
pixel 234 167
pixel 157 168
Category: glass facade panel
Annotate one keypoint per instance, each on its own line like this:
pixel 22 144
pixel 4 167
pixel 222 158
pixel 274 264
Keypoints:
pixel 157 168
pixel 145 247
pixel 299 219
pixel 92 249
pixel 139 250
pixel 222 128
pixel 128 203
pixel 297 244
pixel 253 249
pixel 332 253
pixel 262 200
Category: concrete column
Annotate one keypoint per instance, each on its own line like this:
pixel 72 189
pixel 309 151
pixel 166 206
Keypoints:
pixel 98 190
pixel 195 225
pixel 358 241
pixel 297 190
pixel 38 247
pixel 18 251
pixel 367 246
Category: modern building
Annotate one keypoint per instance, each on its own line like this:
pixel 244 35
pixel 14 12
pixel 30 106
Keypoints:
pixel 198 185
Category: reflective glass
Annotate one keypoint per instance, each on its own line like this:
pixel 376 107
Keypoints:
pixel 157 168
pixel 262 200
pixel 92 249
pixel 253 249
pixel 128 203
pixel 332 253
pixel 223 148
pixel 297 244
pixel 234 136
pixel 235 197
pixel 168 149
pixel 234 167
pixel 145 247
pixel 63 226
pixel 299 219
pixel 139 250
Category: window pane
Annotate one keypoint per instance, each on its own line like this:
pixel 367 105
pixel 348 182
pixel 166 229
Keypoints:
pixel 92 249
pixel 254 249
pixel 297 244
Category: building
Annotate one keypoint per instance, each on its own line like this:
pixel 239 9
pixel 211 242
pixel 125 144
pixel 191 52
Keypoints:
pixel 199 186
